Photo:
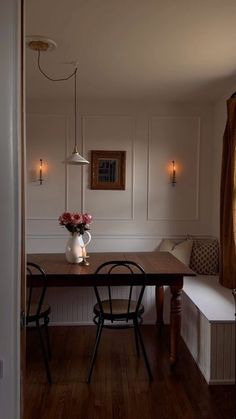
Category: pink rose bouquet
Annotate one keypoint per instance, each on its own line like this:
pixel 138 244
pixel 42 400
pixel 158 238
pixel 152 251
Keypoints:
pixel 75 222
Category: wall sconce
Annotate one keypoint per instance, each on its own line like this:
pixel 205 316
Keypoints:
pixel 173 174
pixel 41 172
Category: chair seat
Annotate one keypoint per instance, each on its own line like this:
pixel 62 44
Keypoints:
pixel 119 313
pixel 119 308
pixel 45 311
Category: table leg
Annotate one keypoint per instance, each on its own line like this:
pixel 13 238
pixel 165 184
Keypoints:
pixel 159 305
pixel 175 322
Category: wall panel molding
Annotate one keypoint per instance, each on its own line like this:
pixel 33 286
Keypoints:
pixel 137 215
pixel 66 171
pixel 196 152
pixel 133 138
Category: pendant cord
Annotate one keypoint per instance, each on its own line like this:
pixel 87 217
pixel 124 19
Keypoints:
pixel 50 78
pixel 75 90
pixel 75 116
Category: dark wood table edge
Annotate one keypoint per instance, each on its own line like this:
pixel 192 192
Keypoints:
pixel 77 280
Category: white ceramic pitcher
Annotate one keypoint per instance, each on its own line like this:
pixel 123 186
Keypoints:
pixel 76 247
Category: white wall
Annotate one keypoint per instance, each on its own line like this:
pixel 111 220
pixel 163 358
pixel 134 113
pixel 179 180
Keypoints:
pixel 149 208
pixel 9 211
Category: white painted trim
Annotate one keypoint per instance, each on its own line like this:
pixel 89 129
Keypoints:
pixel 86 323
pixel 106 115
pixel 10 208
pixel 221 382
pixel 42 218
pixel 118 236
pixel 94 219
pixel 67 120
pixel 82 180
pixel 133 166
pixel 196 217
pixel 148 167
pixel 133 120
pixel 198 170
pixel 213 381
pixel 49 115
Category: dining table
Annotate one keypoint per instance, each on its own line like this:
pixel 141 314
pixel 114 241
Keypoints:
pixel 161 268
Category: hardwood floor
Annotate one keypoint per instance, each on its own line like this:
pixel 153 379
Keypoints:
pixel 120 388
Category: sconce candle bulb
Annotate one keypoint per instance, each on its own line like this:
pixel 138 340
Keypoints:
pixel 173 180
pixel 41 171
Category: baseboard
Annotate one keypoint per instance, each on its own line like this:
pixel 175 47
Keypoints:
pixel 64 323
pixel 221 382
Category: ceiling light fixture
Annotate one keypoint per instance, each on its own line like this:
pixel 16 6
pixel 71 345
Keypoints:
pixel 42 44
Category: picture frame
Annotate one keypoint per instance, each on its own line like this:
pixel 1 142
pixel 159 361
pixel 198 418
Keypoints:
pixel 108 169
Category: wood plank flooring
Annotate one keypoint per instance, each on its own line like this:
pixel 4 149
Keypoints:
pixel 120 388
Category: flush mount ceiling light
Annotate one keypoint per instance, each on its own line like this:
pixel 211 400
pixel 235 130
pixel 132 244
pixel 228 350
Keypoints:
pixel 43 44
pixel 40 43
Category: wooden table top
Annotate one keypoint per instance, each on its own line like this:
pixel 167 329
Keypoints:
pixel 162 268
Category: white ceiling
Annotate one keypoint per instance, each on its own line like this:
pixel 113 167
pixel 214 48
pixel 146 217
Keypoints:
pixel 164 50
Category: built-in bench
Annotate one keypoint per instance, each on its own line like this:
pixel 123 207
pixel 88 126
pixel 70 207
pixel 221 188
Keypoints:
pixel 208 327
pixel 208 311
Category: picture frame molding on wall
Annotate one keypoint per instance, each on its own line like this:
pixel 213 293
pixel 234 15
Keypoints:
pixel 112 172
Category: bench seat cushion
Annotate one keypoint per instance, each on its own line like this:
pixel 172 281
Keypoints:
pixel 215 302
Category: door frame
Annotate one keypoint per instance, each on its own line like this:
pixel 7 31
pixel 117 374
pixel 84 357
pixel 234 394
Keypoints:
pixel 10 209
pixel 23 213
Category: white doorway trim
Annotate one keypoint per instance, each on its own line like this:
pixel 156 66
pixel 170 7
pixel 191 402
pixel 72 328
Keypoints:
pixel 10 209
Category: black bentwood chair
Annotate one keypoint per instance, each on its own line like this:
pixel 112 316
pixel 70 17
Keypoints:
pixel 119 313
pixel 38 312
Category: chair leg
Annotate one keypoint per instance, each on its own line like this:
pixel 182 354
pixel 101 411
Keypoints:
pixel 136 339
pixel 144 351
pixel 46 321
pixel 98 336
pixel 45 358
pixel 97 329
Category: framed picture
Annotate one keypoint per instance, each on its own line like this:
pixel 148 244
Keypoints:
pixel 108 169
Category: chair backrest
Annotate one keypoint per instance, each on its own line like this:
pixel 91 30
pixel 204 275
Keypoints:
pixel 120 268
pixel 35 294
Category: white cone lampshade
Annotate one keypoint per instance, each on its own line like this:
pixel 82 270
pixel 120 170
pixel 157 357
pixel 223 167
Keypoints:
pixel 76 158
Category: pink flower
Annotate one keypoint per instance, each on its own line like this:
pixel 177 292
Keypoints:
pixel 76 218
pixel 65 218
pixel 75 222
pixel 87 218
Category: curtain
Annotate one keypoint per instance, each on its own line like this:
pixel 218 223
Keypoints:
pixel 228 201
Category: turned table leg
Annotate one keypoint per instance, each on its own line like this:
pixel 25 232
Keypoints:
pixel 159 305
pixel 175 322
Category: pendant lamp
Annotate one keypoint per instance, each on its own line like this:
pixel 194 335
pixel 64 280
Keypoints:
pixel 42 44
